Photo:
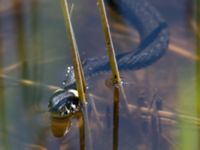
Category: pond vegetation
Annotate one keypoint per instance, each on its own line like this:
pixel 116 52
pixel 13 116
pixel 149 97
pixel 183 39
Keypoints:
pixel 162 99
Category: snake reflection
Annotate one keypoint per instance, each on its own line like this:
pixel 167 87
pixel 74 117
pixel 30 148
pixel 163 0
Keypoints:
pixel 154 36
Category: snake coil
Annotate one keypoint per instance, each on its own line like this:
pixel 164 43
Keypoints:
pixel 154 37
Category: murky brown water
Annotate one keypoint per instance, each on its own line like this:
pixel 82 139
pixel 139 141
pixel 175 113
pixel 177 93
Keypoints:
pixel 34 54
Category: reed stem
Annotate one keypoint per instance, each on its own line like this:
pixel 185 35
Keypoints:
pixel 166 117
pixel 79 76
pixel 82 131
pixel 116 119
pixel 111 53
pixel 110 48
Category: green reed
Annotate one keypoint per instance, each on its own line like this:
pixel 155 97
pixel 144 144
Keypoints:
pixel 198 65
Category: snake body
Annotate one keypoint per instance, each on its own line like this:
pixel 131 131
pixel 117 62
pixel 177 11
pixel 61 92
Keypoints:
pixel 154 37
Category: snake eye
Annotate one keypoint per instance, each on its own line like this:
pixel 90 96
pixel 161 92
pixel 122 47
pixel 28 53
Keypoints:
pixel 64 103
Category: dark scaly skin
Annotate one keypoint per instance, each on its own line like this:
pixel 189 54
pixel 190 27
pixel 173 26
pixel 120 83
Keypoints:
pixel 154 41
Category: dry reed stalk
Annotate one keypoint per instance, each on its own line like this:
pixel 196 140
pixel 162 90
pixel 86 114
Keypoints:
pixel 110 48
pixel 166 117
pixel 79 75
pixel 111 52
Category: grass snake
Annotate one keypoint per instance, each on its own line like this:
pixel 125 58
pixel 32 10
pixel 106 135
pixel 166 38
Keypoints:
pixel 154 37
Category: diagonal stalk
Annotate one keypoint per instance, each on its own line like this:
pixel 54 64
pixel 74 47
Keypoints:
pixel 111 53
pixel 109 44
pixel 79 76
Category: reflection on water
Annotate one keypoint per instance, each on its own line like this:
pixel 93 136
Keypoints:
pixel 34 54
pixel 60 127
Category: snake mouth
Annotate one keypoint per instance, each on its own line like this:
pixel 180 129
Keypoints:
pixel 65 111
pixel 59 115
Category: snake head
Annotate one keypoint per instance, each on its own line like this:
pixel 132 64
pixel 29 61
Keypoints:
pixel 64 103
